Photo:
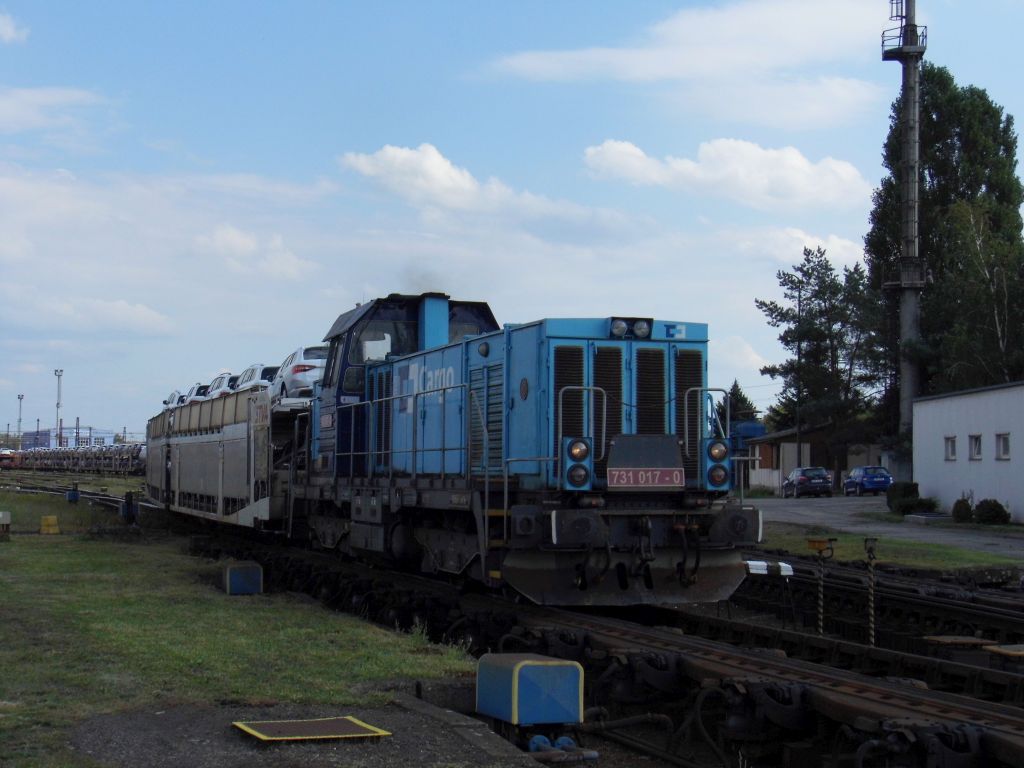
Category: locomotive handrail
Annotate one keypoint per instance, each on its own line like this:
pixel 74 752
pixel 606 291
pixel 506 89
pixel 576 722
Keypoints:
pixel 604 416
pixel 415 447
pixel 686 414
pixel 504 503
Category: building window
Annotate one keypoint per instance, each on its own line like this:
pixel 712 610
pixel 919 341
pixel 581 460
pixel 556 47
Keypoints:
pixel 1003 446
pixel 951 448
pixel 974 445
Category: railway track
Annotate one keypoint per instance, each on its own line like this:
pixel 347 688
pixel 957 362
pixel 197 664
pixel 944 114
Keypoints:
pixel 906 609
pixel 773 709
pixel 59 485
pixel 712 703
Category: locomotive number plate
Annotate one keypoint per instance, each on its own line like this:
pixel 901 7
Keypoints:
pixel 637 477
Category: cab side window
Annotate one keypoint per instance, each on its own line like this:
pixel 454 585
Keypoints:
pixel 335 361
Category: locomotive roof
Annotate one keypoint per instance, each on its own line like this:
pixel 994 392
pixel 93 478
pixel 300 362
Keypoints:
pixel 347 320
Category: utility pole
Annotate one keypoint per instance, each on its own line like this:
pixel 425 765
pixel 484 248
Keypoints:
pixel 906 44
pixel 20 398
pixel 58 372
pixel 799 370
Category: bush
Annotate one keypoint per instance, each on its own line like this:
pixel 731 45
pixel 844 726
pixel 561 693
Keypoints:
pixel 991 512
pixel 962 512
pixel 900 490
pixel 913 506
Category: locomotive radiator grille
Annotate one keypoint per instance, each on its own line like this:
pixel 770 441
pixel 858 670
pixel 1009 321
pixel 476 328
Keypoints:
pixel 568 373
pixel 689 373
pixel 607 376
pixel 650 392
pixel 382 419
pixel 487 394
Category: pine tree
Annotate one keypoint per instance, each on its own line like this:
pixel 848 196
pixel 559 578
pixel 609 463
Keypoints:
pixel 823 322
pixel 741 407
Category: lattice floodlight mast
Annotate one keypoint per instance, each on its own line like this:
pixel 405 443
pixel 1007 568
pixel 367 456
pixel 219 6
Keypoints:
pixel 906 44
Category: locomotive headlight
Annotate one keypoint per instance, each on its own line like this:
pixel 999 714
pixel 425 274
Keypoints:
pixel 717 475
pixel 578 475
pixel 579 450
pixel 717 451
pixel 641 329
pixel 619 328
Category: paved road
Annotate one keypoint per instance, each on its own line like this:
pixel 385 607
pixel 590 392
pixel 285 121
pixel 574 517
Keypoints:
pixel 848 514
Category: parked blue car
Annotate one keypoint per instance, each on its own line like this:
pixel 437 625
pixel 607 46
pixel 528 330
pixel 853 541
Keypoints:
pixel 863 480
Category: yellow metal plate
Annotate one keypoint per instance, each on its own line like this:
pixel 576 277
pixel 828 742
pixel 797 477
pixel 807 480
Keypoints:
pixel 346 727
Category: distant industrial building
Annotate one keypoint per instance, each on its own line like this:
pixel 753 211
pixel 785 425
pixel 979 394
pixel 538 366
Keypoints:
pixel 964 446
pixel 71 437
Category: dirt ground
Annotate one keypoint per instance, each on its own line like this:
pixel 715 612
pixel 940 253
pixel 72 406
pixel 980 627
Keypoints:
pixel 203 737
pixel 424 733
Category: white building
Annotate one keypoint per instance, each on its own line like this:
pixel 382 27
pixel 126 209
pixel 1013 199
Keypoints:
pixel 964 445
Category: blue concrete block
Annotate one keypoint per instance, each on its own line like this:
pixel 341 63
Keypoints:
pixel 529 689
pixel 243 578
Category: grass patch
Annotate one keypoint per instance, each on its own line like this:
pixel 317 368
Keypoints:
pixel 1015 530
pixel 92 627
pixel 27 508
pixel 758 492
pixel 792 538
pixel 112 485
pixel 880 516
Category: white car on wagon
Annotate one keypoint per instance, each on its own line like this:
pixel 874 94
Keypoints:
pixel 220 386
pixel 299 371
pixel 256 376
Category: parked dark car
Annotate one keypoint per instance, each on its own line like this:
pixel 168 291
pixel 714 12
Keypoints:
pixel 807 481
pixel 863 480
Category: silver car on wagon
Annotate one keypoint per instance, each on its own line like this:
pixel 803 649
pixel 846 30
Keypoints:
pixel 299 371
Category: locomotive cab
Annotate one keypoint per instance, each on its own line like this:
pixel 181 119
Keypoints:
pixel 379 330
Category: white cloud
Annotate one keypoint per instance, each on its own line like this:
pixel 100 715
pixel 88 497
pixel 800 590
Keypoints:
pixel 11 31
pixel 426 178
pixel 785 245
pixel 229 241
pixel 30 109
pixel 245 253
pixel 738 170
pixel 247 185
pixel 740 60
pixel 736 352
pixel 424 175
pixel 740 38
pixel 34 306
pixel 792 103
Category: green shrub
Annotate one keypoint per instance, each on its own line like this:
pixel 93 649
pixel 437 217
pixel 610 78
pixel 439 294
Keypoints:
pixel 912 506
pixel 991 512
pixel 962 512
pixel 900 490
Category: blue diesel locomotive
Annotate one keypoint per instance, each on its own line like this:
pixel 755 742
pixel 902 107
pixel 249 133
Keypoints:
pixel 574 461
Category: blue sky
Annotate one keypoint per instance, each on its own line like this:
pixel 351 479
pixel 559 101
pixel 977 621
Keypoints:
pixel 192 187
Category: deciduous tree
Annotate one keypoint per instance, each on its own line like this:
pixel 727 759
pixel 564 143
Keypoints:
pixel 972 325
